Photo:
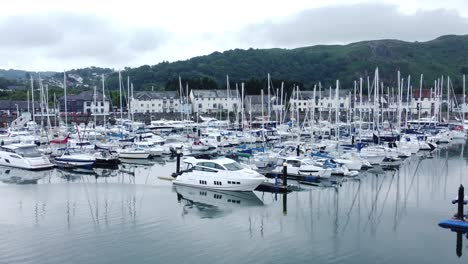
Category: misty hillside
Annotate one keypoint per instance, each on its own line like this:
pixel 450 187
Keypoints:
pixel 446 55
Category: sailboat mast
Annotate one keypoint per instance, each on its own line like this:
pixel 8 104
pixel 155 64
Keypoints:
pixel 360 105
pixel 242 105
pixel 250 112
pixel 120 90
pixel 263 116
pixel 354 102
pixel 276 105
pixel 407 101
pixel 399 103
pixel 282 106
pixel 131 102
pixel 181 98
pixel 464 101
pixel 27 95
pixel 320 106
pixel 187 100
pixel 103 101
pixel 313 105
pixel 228 95
pixel 128 98
pixel 55 108
pixel 420 97
pixel 448 99
pixel 94 107
pixel 337 111
pixel 47 105
pixel 32 99
pixel 64 97
pixel 268 98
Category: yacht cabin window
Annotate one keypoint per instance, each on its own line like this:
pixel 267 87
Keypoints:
pixel 234 166
pixel 28 152
pixel 294 163
pixel 211 165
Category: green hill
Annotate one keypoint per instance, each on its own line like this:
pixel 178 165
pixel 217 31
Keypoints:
pixel 446 55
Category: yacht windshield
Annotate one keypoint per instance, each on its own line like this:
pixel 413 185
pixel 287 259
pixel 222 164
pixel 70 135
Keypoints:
pixel 233 166
pixel 28 152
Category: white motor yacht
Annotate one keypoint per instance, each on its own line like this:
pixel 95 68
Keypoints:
pixel 220 174
pixel 302 167
pixel 24 156
pixel 133 153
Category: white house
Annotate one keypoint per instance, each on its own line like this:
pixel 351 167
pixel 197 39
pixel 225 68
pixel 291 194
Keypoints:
pixel 253 103
pixel 86 103
pixel 156 102
pixel 214 101
pixel 307 101
pixel 426 104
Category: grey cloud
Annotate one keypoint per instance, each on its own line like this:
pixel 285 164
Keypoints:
pixel 22 32
pixel 344 24
pixel 69 36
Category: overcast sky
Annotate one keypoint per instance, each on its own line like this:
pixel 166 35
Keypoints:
pixel 61 35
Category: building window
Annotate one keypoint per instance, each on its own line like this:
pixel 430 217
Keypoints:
pixel 141 105
pixel 214 105
pixel 152 105
pixel 200 106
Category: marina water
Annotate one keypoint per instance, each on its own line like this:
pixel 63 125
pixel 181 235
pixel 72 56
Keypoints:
pixel 129 215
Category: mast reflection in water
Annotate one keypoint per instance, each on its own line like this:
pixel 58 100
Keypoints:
pixel 129 215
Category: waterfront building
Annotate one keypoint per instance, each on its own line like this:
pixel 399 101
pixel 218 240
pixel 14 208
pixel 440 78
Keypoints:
pixel 215 101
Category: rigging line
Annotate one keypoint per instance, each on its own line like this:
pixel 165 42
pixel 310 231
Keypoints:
pixel 385 199
pixel 374 204
pixel 409 189
pixel 348 215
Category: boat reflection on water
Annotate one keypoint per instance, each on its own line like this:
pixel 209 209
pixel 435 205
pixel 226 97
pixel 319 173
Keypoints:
pixel 142 162
pixel 105 172
pixel 19 176
pixel 212 204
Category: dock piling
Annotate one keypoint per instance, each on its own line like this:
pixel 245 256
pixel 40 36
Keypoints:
pixel 461 196
pixel 285 174
pixel 178 162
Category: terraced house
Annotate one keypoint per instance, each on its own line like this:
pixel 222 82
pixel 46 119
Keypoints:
pixel 156 102
pixel 215 101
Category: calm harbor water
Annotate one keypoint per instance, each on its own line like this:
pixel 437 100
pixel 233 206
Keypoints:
pixel 131 216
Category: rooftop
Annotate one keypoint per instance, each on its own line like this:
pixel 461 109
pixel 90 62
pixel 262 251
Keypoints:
pixel 147 95
pixel 257 99
pixel 84 96
pixel 215 93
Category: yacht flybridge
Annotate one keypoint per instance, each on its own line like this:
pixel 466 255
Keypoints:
pixel 221 174
pixel 24 156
